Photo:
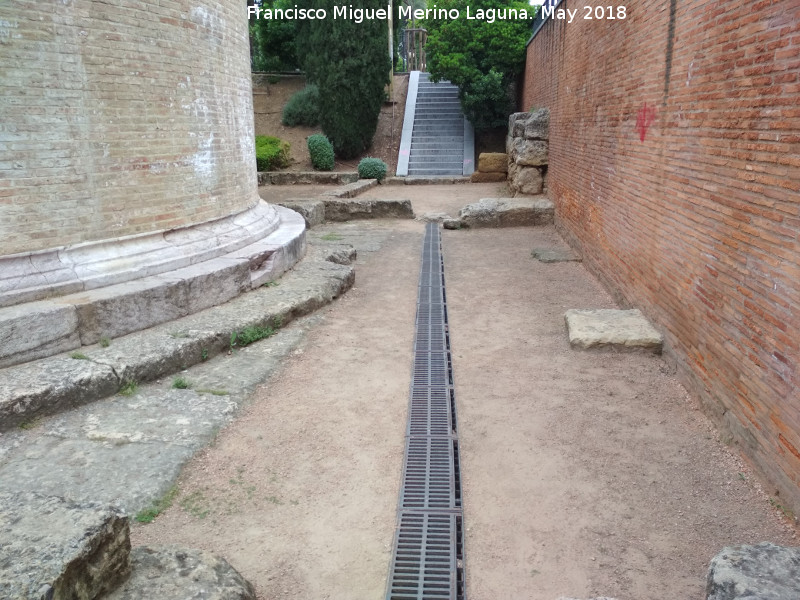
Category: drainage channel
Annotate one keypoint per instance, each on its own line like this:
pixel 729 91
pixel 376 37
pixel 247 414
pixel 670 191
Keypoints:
pixel 428 557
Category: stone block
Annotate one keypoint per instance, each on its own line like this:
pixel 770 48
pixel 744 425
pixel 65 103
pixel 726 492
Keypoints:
pixel 527 180
pixel 612 328
pixel 760 572
pixel 51 385
pixel 312 211
pixel 493 162
pixel 530 153
pixel 480 177
pixel 55 548
pixel 368 208
pixel 507 212
pixel 537 125
pixel 37 329
pixel 351 190
pixel 516 124
pixel 172 572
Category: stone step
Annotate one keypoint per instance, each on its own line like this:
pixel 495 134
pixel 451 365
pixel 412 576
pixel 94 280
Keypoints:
pixel 443 153
pixel 435 171
pixel 508 212
pixel 439 164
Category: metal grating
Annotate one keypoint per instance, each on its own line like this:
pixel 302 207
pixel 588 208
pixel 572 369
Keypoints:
pixel 428 561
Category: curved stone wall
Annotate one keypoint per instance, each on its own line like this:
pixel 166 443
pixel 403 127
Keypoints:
pixel 122 118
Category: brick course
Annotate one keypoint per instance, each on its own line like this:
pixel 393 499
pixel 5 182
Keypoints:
pixel 121 117
pixel 675 167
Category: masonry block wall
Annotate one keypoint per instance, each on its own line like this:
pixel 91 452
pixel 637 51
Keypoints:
pixel 122 117
pixel 675 167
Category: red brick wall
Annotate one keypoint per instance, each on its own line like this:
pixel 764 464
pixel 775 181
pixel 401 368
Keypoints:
pixel 675 167
pixel 119 117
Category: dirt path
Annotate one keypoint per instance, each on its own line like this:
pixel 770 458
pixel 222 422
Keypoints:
pixel 584 473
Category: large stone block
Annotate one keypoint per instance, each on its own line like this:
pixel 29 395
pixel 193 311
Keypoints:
pixel 507 212
pixel 611 328
pixel 516 124
pixel 760 572
pixel 54 548
pixel 177 573
pixel 527 180
pixel 312 211
pixel 480 177
pixel 537 125
pixel 493 162
pixel 530 153
pixel 368 208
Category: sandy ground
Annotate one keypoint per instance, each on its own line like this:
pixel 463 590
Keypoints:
pixel 269 100
pixel 585 473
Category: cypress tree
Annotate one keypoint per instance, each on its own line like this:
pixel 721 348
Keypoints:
pixel 350 64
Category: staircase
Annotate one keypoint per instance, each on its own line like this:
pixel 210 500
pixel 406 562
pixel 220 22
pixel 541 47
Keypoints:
pixel 441 140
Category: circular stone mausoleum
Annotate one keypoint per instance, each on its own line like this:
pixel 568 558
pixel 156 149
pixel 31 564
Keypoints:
pixel 128 184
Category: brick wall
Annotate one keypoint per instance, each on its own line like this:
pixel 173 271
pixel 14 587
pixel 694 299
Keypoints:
pixel 675 167
pixel 121 117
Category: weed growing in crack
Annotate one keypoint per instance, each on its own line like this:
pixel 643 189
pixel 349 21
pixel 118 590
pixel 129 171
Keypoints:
pixel 332 237
pixel 269 284
pixel 129 388
pixel 181 383
pixel 148 515
pixel 204 354
pixel 251 334
pixel 212 392
pixel 79 356
pixel 105 342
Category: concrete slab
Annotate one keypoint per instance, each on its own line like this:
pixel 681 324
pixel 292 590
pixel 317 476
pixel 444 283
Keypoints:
pixel 611 328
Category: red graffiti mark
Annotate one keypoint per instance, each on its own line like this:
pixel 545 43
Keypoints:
pixel 645 118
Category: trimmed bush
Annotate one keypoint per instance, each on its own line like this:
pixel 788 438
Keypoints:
pixel 271 153
pixel 321 151
pixel 372 168
pixel 302 108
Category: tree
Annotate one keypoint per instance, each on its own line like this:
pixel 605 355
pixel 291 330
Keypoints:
pixel 350 63
pixel 273 40
pixel 484 59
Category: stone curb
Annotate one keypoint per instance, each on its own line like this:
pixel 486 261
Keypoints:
pixel 57 383
pixel 424 180
pixel 306 177
pixel 351 190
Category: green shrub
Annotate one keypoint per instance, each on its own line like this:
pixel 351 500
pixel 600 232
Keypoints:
pixel 302 108
pixel 321 151
pixel 271 153
pixel 372 168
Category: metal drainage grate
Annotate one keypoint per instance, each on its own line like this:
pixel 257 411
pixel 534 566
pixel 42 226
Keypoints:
pixel 428 559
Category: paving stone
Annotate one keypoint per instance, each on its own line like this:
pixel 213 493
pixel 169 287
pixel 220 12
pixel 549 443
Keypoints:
pixel 313 211
pixel 507 212
pixel 175 573
pixel 552 255
pixel 759 572
pixel 56 548
pixel 604 328
pixel 453 224
pixel 367 208
pixel 434 217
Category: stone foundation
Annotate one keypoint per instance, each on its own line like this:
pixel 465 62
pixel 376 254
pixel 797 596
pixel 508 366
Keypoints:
pixel 527 147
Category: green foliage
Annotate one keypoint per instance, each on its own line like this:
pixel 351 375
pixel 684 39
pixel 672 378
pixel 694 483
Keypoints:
pixel 273 40
pixel 271 153
pixel 302 108
pixel 251 334
pixel 181 383
pixel 148 515
pixel 350 63
pixel 372 168
pixel 321 151
pixel 483 59
pixel 79 356
pixel 129 388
